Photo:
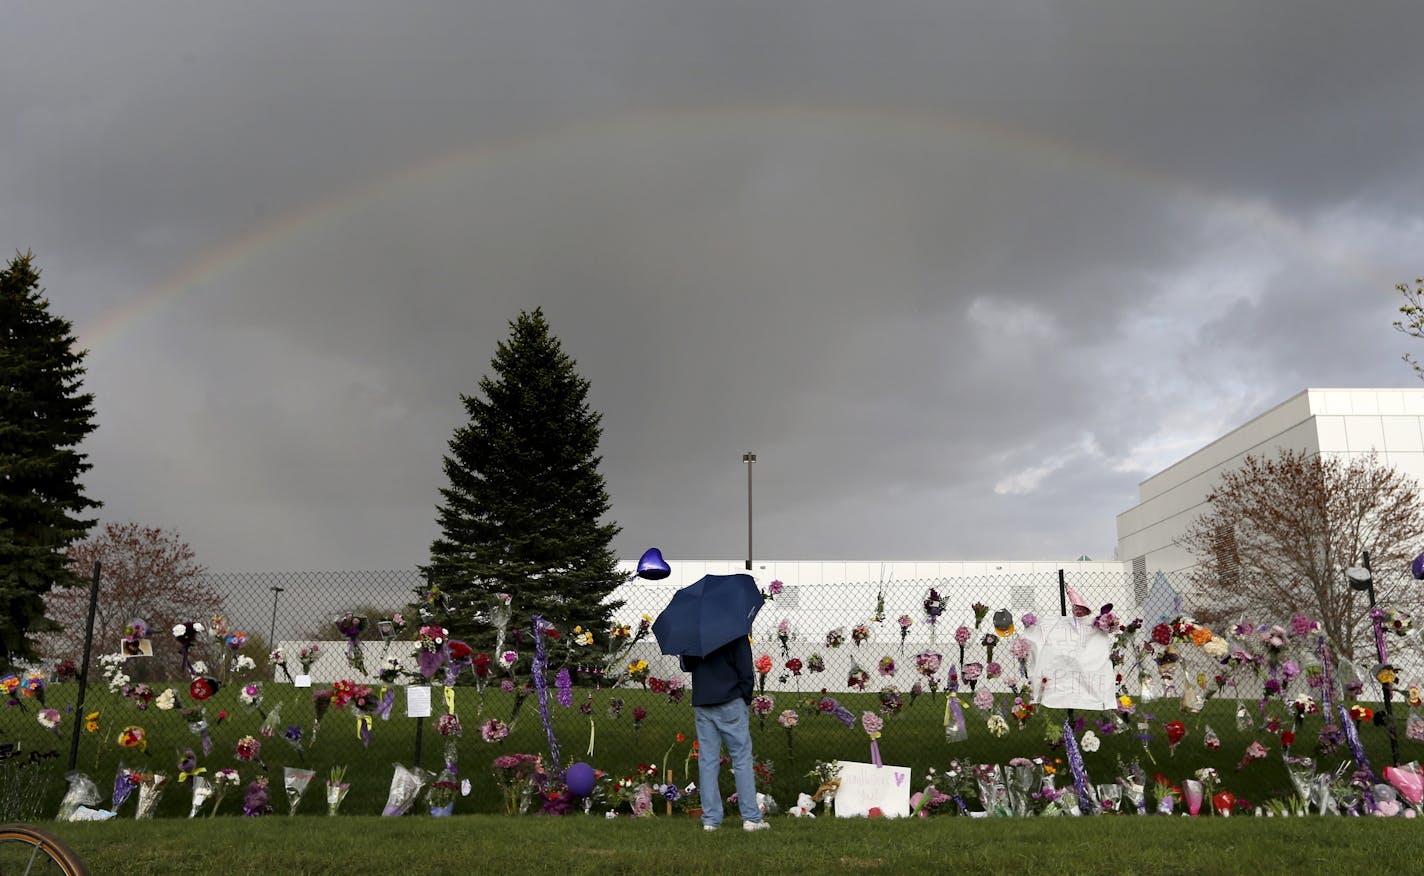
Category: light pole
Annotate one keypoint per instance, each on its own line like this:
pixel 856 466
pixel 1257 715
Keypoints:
pixel 749 458
pixel 272 631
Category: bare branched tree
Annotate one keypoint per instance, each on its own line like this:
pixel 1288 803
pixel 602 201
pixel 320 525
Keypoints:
pixel 1281 532
pixel 148 574
pixel 1413 322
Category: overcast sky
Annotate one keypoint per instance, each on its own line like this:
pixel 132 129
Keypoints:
pixel 961 274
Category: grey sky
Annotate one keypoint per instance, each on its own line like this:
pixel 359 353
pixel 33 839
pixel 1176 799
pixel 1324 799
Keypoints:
pixel 960 274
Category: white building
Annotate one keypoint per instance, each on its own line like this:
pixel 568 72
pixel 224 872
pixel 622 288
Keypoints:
pixel 1339 422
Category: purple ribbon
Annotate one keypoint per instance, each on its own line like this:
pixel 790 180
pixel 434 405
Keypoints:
pixel 384 707
pixel 1327 686
pixel 958 712
pixel 1080 772
pixel 1352 738
pixel 541 685
pixel 875 753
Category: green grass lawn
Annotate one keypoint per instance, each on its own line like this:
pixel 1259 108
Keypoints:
pixel 913 738
pixel 592 845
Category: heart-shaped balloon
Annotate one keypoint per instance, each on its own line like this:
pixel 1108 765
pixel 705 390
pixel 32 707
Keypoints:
pixel 652 566
pixel 1408 782
pixel 1223 801
pixel 1387 808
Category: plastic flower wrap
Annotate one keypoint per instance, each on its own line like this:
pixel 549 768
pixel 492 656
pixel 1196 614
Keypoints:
pixel 1254 751
pixel 126 781
pixel 1023 777
pixel 82 792
pixel 251 696
pixel 1133 781
pixel 1210 739
pixel 336 789
pixel 295 781
pixel 50 720
pixel 406 785
pixel 150 791
pixel 993 790
pixel 955 729
pixel 442 794
pixel 202 790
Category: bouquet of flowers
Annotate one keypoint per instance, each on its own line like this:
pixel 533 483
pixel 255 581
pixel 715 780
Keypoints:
pixel 762 665
pixel 150 791
pixel 406 785
pixel 835 638
pixel 827 775
pixel 248 749
pixel 295 781
pixel 223 780
pixel 887 665
pixel 307 655
pixel 256 801
pixel 50 720
pixel 993 791
pixel 815 663
pixel 134 633
pixel 783 635
pixel 934 607
pixel 251 696
pixel 432 652
pixel 187 633
pixel 442 794
pixel 1024 777
pixel 761 706
pixel 955 729
pixel 961 638
pixel 788 719
pixel 1134 785
pixel 905 623
pixel 516 775
pixel 980 611
pixel 860 633
pixel 351 626
pixel 202 790
pixel 857 677
pixel 336 789
pixel 972 673
pixel 278 658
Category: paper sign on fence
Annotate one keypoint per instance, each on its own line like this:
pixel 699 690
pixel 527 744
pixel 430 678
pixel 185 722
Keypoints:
pixel 864 785
pixel 417 701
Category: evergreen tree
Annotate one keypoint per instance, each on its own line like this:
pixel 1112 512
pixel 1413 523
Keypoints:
pixel 521 514
pixel 43 419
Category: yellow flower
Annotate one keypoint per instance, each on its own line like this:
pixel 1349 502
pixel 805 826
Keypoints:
pixel 91 722
pixel 1124 702
pixel 1414 697
pixel 1386 675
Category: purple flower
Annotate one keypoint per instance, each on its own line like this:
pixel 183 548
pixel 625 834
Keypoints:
pixel 565 684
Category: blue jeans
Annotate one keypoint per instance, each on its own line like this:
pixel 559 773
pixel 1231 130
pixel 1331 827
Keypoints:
pixel 727 723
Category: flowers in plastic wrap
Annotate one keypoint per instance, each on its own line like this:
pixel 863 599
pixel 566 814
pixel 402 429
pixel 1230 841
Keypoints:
pixel 1254 751
pixel 997 726
pixel 50 720
pixel 827 774
pixel 307 655
pixel 295 781
pixel 256 802
pixel 82 792
pixel 249 749
pixel 834 639
pixel 351 626
pixel 1133 781
pixel 1210 739
pixel 516 775
pixel 442 794
pixel 432 653
pixel 126 781
pixel 251 696
pixel 336 789
pixel 857 678
pixel 150 791
pixel 860 633
pixel 993 791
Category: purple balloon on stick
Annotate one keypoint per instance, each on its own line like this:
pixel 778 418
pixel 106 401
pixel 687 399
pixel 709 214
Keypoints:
pixel 1417 568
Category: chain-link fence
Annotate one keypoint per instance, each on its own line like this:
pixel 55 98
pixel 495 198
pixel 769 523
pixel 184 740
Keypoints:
pixel 277 653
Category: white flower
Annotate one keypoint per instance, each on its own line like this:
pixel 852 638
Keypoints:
pixel 1090 742
pixel 1216 648
pixel 166 700
pixel 243 663
pixel 200 668
pixel 998 726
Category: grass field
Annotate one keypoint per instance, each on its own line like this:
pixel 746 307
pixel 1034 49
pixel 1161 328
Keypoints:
pixel 483 844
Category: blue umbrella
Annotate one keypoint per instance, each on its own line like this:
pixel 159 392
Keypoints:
pixel 707 614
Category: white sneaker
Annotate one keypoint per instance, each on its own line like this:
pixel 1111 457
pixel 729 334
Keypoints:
pixel 756 825
pixel 709 827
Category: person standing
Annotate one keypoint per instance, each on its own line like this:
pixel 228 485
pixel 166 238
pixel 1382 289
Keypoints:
pixel 722 685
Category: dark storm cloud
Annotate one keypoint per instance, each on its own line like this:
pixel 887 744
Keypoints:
pixel 961 274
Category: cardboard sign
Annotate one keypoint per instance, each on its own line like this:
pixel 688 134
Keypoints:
pixel 865 786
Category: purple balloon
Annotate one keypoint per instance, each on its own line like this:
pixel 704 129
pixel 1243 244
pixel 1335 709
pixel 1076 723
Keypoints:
pixel 652 566
pixel 1417 568
pixel 580 779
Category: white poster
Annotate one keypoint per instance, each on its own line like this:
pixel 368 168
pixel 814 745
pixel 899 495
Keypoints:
pixel 865 786
pixel 417 701
pixel 1072 668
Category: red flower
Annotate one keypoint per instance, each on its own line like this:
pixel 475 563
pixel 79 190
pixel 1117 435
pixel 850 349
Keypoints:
pixel 1162 634
pixel 1288 739
pixel 1176 732
pixel 482 663
pixel 763 664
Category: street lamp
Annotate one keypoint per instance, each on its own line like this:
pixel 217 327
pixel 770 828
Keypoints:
pixel 749 458
pixel 272 631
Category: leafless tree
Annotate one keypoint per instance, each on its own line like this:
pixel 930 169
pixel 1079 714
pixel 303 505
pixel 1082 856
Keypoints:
pixel 147 574
pixel 1281 531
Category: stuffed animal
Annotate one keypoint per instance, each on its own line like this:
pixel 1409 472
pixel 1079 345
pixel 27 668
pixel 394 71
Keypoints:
pixel 804 807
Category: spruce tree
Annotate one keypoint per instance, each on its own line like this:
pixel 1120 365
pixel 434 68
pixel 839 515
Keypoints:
pixel 43 419
pixel 522 512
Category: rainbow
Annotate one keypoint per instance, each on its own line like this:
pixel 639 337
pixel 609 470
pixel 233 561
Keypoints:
pixel 692 124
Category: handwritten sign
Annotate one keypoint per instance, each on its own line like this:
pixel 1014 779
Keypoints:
pixel 417 701
pixel 865 786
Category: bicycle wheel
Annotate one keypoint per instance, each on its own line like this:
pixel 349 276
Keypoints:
pixel 29 851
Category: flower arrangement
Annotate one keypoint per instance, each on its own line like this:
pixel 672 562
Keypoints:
pixel 223 780
pixel 762 665
pixel 860 633
pixel 336 789
pixel 307 655
pixel 887 665
pixel 783 635
pixel 638 671
pixel 761 706
pixel 927 664
pixel 517 776
pixel 816 663
pixel 857 677
pixel 972 674
pixel 934 607
pixel 980 611
pixel 961 638
pixel 493 731
pixel 905 623
pixel 835 638
pixel 891 703
pixel 788 719
pixel 351 626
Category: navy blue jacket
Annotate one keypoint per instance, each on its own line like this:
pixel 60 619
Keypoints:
pixel 722 675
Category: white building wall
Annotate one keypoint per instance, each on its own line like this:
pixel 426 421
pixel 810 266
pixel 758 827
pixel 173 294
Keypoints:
pixel 1344 422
